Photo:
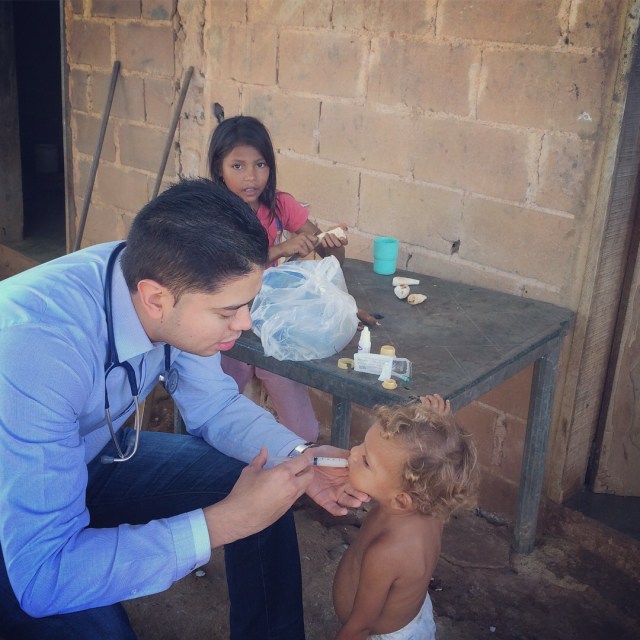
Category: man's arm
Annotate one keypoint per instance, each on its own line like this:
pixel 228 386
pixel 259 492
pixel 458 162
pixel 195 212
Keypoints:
pixel 213 409
pixel 55 561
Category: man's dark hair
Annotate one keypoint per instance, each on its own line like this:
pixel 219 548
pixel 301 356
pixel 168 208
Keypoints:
pixel 194 237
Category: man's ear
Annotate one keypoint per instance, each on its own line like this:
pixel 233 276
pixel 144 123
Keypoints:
pixel 153 298
pixel 403 501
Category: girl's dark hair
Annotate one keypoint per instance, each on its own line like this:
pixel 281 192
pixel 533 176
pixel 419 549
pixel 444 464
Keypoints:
pixel 194 237
pixel 249 131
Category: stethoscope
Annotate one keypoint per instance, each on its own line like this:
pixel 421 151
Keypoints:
pixel 169 378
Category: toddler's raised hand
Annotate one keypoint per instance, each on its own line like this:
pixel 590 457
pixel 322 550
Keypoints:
pixel 436 403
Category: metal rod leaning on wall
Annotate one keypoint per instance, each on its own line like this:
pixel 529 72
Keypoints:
pixel 172 130
pixel 150 400
pixel 96 156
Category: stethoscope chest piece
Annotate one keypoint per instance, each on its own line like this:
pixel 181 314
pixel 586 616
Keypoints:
pixel 171 380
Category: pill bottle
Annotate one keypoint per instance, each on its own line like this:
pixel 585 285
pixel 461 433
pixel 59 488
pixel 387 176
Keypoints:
pixel 364 344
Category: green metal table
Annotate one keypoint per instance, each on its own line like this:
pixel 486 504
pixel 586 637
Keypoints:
pixel 462 341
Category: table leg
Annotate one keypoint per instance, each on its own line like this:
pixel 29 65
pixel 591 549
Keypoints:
pixel 535 448
pixel 341 422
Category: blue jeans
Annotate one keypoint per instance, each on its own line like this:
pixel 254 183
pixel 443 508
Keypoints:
pixel 172 474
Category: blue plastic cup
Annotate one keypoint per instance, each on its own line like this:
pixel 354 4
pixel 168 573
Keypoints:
pixel 385 255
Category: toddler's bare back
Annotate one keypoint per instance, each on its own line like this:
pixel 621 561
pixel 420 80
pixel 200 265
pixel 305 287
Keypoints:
pixel 403 551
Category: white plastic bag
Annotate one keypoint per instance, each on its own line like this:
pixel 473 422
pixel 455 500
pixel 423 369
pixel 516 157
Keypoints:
pixel 304 311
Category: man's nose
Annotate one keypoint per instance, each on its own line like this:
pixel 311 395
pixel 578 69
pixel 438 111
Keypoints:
pixel 242 319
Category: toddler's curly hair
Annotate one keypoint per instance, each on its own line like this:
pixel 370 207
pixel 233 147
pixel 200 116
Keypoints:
pixel 440 473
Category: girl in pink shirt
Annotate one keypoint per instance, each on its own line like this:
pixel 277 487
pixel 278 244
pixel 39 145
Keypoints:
pixel 241 157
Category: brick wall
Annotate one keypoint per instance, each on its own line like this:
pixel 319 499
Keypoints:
pixel 437 121
pixel 445 121
pixel 141 35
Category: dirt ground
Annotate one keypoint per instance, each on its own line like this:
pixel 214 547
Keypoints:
pixel 582 582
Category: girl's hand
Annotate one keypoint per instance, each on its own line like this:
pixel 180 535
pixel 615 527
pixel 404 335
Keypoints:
pixel 302 244
pixel 331 241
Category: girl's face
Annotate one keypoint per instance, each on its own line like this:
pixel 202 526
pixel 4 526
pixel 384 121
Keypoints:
pixel 245 172
pixel 375 466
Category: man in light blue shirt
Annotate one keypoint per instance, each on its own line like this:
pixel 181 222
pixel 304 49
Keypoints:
pixel 87 518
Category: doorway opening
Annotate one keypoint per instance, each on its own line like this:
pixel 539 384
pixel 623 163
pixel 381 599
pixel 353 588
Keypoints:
pixel 38 68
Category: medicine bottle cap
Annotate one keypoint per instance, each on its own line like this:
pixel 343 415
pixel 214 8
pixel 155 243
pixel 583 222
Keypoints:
pixel 390 383
pixel 387 350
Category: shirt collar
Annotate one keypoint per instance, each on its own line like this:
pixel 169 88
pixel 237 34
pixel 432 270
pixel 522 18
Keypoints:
pixel 131 339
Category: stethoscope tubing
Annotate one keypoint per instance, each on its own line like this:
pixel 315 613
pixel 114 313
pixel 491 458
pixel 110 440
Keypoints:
pixel 113 362
pixel 169 378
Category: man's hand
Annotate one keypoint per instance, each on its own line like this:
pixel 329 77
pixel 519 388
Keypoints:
pixel 330 487
pixel 258 499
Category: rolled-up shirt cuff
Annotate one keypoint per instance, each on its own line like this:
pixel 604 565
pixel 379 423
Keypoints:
pixel 190 557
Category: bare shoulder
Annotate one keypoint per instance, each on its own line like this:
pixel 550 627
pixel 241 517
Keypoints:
pixel 405 543
pixel 416 545
pixel 383 555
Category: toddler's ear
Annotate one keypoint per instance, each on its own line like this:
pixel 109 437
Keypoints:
pixel 403 501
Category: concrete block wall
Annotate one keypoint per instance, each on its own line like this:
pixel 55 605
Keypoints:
pixel 437 121
pixel 473 131
pixel 470 130
pixel 141 35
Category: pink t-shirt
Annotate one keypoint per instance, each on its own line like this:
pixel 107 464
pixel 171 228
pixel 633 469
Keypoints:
pixel 292 216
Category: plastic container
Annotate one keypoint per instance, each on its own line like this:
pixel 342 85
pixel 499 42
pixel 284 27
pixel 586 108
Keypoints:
pixel 364 344
pixel 385 255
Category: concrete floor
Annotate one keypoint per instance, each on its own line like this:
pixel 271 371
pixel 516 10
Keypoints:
pixel 582 582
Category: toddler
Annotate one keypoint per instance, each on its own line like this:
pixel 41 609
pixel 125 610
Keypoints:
pixel 418 466
pixel 241 157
